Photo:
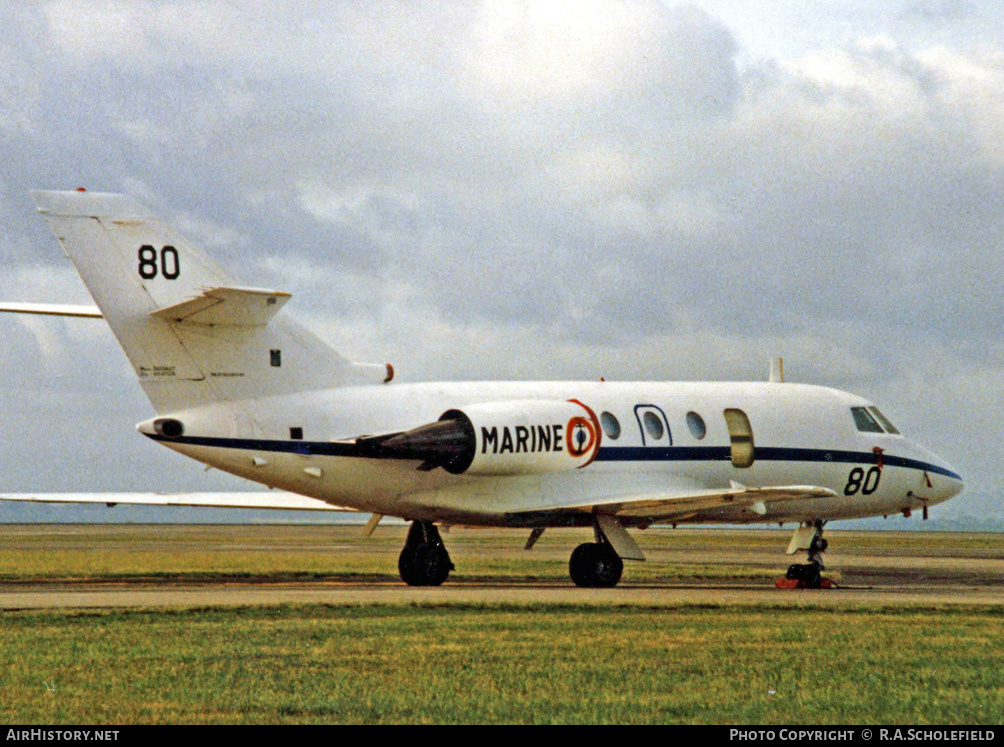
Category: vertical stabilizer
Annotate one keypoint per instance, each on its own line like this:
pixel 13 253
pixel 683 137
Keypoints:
pixel 193 335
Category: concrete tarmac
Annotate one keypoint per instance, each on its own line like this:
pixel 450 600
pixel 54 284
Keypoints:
pixel 238 595
pixel 874 569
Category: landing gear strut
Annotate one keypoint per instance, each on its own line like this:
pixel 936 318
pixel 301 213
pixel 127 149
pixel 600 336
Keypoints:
pixel 424 560
pixel 595 564
pixel 807 575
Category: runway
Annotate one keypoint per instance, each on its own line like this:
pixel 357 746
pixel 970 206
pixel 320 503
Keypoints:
pixel 102 567
pixel 238 595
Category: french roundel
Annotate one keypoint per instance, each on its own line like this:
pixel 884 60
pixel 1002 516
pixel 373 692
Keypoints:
pixel 580 436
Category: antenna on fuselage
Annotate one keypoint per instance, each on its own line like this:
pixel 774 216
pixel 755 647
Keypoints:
pixel 776 371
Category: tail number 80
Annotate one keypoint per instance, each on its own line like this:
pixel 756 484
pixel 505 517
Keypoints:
pixel 169 266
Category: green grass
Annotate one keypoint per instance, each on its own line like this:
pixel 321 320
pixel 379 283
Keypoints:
pixel 762 664
pixel 498 664
pixel 293 553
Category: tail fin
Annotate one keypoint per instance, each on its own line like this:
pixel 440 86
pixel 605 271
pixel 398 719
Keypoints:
pixel 193 336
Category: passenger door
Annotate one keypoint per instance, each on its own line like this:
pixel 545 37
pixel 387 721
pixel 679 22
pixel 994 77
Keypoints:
pixel 741 436
pixel 653 425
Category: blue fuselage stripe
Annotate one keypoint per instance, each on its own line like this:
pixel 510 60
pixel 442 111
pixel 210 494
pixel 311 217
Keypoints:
pixel 761 454
pixel 606 453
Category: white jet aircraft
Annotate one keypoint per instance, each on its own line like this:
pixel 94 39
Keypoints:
pixel 237 385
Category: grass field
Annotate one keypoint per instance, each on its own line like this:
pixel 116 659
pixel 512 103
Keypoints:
pixel 767 663
pixel 539 664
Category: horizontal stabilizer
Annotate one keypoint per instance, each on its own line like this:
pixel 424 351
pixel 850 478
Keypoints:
pixel 275 499
pixel 84 204
pixel 235 307
pixel 52 309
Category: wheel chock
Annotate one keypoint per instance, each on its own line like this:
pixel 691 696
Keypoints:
pixel 797 583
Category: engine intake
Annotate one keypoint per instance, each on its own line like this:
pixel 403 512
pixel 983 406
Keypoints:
pixel 507 438
pixel 449 443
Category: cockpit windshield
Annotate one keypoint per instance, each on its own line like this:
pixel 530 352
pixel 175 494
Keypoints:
pixel 871 420
pixel 889 427
pixel 864 421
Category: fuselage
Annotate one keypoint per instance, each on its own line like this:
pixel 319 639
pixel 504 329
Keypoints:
pixel 649 436
pixel 244 388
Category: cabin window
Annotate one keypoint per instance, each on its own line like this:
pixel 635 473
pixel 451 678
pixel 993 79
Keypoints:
pixel 741 435
pixel 653 425
pixel 611 426
pixel 864 421
pixel 296 433
pixel 889 427
pixel 696 424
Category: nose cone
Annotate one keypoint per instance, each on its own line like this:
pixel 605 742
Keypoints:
pixel 944 486
pixel 949 486
pixel 940 481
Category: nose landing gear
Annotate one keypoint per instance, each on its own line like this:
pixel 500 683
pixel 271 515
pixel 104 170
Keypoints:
pixel 807 575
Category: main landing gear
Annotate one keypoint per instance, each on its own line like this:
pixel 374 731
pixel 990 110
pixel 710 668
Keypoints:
pixel 595 564
pixel 424 560
pixel 807 575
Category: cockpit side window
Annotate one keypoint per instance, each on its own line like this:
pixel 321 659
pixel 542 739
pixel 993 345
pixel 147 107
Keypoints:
pixel 889 427
pixel 864 421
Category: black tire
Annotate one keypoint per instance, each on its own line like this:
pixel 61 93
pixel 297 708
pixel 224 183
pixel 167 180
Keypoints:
pixel 425 564
pixel 609 566
pixel 581 566
pixel 595 565
pixel 811 576
pixel 807 573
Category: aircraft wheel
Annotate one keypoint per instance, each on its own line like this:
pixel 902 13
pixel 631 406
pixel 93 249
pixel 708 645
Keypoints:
pixel 806 573
pixel 424 564
pixel 595 564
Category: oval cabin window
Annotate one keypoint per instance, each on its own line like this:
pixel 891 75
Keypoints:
pixel 696 424
pixel 653 425
pixel 611 426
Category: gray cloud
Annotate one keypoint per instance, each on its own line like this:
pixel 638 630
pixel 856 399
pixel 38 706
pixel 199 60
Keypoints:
pixel 939 10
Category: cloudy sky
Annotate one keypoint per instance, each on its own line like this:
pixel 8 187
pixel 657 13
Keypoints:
pixel 635 190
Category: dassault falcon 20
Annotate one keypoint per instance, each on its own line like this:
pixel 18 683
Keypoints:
pixel 238 385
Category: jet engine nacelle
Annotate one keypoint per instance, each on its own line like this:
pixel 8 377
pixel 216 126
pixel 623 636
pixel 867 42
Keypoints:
pixel 504 438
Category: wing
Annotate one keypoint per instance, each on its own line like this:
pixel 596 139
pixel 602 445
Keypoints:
pixel 662 505
pixel 675 504
pixel 52 309
pixel 273 500
pixel 564 498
